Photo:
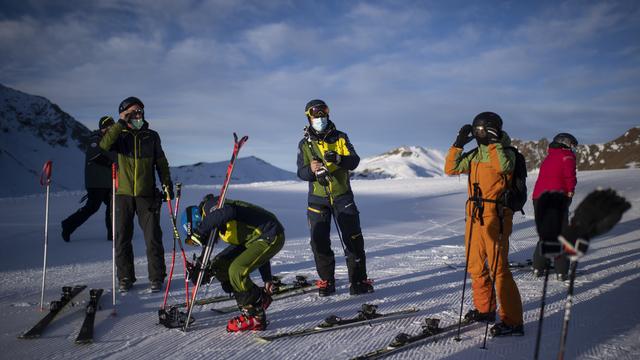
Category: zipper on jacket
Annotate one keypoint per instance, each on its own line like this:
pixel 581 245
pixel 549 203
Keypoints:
pixel 135 165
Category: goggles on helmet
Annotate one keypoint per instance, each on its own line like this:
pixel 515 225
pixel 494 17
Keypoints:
pixel 317 111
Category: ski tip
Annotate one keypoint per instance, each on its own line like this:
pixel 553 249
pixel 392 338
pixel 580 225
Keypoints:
pixel 262 339
pixel 84 342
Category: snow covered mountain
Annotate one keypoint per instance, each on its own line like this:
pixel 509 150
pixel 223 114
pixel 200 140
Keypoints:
pixel 620 153
pixel 405 162
pixel 32 131
pixel 248 169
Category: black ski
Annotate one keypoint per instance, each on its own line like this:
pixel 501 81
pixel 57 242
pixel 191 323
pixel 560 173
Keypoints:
pixel 86 331
pixel 299 287
pixel 367 315
pixel 281 291
pixel 513 265
pixel 68 293
pixel 402 341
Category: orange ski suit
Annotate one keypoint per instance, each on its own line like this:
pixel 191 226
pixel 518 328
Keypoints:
pixel 491 168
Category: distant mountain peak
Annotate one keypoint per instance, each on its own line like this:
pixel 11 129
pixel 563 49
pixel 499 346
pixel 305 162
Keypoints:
pixel 404 162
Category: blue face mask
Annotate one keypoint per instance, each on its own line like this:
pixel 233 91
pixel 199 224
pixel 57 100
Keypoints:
pixel 319 124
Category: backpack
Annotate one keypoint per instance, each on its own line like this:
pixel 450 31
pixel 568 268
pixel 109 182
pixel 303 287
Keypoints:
pixel 516 194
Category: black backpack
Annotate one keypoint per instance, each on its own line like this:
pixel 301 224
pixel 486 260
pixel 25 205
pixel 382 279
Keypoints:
pixel 516 194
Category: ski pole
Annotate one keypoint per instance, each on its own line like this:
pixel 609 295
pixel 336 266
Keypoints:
pixel 45 180
pixel 542 306
pixel 184 256
pixel 173 252
pixel 476 190
pixel 567 309
pixel 114 187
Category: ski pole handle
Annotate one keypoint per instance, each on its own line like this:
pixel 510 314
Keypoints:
pixel 45 175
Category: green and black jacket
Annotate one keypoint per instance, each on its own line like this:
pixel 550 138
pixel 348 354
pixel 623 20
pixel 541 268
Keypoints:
pixel 139 154
pixel 313 146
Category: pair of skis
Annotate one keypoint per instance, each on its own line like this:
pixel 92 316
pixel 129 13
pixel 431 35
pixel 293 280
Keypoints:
pixel 85 335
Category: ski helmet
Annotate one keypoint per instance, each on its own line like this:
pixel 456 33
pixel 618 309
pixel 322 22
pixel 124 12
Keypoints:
pixel 486 121
pixel 566 140
pixel 191 219
pixel 105 122
pixel 129 102
pixel 316 108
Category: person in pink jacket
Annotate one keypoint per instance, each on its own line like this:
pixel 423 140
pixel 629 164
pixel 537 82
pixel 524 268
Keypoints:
pixel 557 173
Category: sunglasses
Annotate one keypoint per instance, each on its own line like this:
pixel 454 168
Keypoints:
pixel 137 112
pixel 317 111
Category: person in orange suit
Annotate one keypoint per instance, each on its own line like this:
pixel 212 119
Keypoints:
pixel 488 221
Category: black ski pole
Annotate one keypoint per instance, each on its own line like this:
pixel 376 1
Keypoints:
pixel 476 190
pixel 567 309
pixel 114 188
pixel 543 301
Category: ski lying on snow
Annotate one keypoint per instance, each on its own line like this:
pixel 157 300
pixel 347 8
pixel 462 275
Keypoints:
pixel 68 293
pixel 513 265
pixel 402 341
pixel 367 315
pixel 86 330
pixel 287 291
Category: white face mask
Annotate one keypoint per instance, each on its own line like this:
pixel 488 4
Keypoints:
pixel 319 124
pixel 137 123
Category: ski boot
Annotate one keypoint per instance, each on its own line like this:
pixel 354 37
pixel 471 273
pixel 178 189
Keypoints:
pixel 124 285
pixel 363 287
pixel 477 316
pixel 155 286
pixel 250 318
pixel 502 329
pixel 326 287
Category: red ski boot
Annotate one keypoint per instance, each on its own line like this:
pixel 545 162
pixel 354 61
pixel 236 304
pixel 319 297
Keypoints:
pixel 250 319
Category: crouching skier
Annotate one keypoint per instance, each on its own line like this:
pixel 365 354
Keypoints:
pixel 254 236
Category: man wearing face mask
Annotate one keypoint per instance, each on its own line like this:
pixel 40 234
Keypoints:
pixel 140 156
pixel 325 157
pixel 488 221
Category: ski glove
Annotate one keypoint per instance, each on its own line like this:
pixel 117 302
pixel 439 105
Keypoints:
pixel 598 213
pixel 195 239
pixel 551 208
pixel 322 176
pixel 464 136
pixel 167 189
pixel 332 157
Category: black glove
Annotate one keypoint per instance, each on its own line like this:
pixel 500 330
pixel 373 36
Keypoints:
pixel 167 190
pixel 332 157
pixel 464 136
pixel 322 176
pixel 598 213
pixel 124 123
pixel 550 212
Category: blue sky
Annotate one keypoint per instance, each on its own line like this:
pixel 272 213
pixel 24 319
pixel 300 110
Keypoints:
pixel 393 72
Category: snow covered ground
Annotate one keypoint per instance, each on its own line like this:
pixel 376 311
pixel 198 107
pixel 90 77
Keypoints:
pixel 414 233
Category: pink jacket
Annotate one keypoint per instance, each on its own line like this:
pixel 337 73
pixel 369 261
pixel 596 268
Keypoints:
pixel 557 172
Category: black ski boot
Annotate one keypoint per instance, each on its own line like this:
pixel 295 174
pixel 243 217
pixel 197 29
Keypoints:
pixel 326 287
pixel 124 285
pixel 361 287
pixel 502 329
pixel 476 316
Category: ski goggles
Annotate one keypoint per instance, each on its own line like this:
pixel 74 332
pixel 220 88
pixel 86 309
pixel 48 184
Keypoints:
pixel 317 111
pixel 137 112
pixel 481 131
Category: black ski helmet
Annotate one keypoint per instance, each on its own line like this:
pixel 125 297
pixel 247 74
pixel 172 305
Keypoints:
pixel 129 102
pixel 316 103
pixel 488 119
pixel 566 140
